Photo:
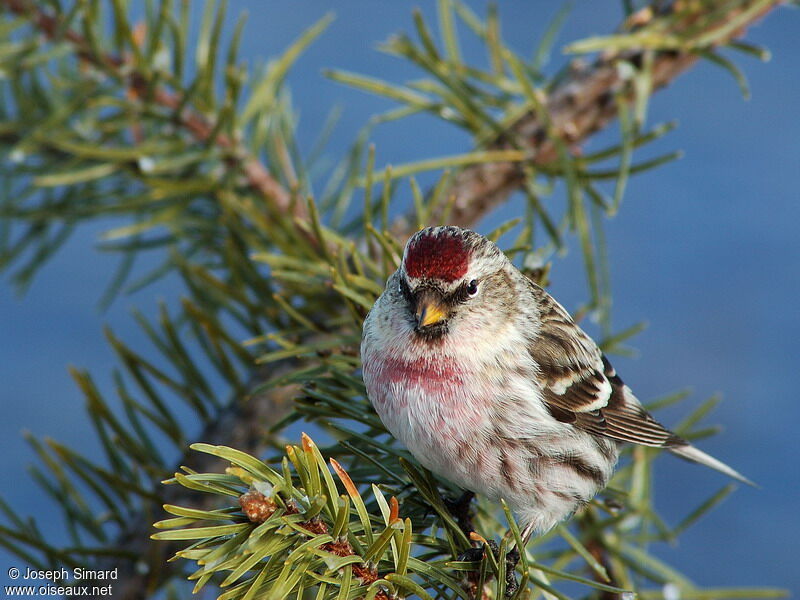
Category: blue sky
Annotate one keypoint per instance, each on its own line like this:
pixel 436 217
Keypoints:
pixel 705 249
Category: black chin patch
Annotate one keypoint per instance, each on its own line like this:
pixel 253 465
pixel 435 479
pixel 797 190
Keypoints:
pixel 433 332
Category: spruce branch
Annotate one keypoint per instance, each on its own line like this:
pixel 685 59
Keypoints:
pixel 586 99
pixel 143 85
pixel 242 423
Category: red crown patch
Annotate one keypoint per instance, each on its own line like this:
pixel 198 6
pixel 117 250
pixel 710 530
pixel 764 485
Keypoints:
pixel 444 257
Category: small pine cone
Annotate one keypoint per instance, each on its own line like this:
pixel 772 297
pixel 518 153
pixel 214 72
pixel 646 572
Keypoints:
pixel 256 506
pixel 340 547
pixel 316 526
pixel 366 573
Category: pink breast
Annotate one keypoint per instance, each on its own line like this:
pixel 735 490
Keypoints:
pixel 427 400
pixel 426 374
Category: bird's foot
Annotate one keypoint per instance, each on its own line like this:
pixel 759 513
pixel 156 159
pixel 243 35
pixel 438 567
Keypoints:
pixel 511 558
pixel 475 554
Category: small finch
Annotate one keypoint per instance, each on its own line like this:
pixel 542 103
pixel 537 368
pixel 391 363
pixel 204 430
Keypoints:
pixel 490 384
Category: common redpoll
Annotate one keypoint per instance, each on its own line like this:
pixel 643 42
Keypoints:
pixel 490 384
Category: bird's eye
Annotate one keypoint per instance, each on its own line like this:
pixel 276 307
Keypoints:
pixel 472 287
pixel 403 288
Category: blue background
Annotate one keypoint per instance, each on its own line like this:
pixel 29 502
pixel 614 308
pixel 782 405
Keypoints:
pixel 706 250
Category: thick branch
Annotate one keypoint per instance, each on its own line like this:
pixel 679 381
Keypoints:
pixel 584 103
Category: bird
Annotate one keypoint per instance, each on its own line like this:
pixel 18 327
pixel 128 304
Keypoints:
pixel 490 384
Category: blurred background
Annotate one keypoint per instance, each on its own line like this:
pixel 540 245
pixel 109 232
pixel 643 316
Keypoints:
pixel 706 250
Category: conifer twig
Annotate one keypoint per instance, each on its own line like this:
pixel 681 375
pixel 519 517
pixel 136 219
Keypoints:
pixel 201 129
pixel 243 423
pixel 582 104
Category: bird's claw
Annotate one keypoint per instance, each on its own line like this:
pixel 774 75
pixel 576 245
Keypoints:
pixel 475 554
pixel 511 559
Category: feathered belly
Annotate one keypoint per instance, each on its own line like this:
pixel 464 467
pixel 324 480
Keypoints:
pixel 448 419
pixel 489 436
pixel 432 410
pixel 425 405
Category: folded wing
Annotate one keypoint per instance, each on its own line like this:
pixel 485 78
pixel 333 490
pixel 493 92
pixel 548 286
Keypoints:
pixel 580 387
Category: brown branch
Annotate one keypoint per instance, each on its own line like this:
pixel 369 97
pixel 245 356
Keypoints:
pixel 582 104
pixel 196 124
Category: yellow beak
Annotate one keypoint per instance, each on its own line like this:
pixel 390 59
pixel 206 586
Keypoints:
pixel 429 312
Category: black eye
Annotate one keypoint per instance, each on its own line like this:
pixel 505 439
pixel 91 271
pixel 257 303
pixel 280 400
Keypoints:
pixel 403 287
pixel 472 287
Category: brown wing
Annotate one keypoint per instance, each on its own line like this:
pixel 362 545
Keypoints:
pixel 570 364
pixel 581 387
pixel 624 419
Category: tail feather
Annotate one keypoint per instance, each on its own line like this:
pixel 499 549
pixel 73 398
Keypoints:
pixel 691 453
